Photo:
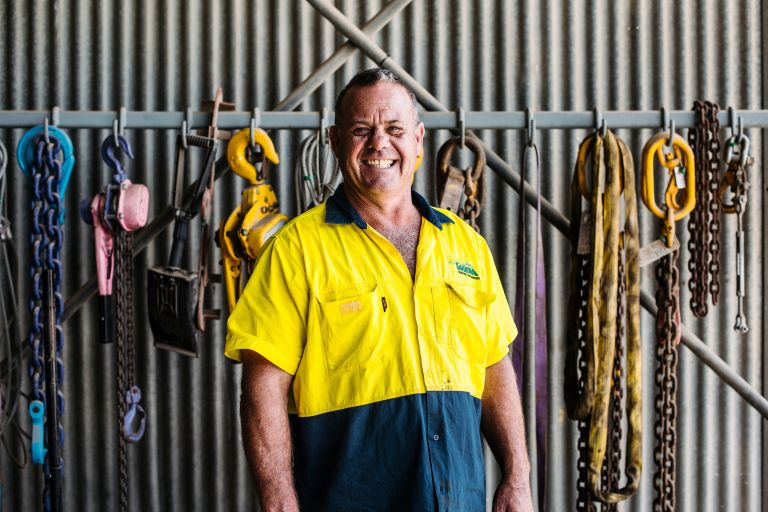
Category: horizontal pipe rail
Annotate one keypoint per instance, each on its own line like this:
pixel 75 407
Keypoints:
pixel 280 120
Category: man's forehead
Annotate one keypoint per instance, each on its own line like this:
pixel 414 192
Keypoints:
pixel 387 101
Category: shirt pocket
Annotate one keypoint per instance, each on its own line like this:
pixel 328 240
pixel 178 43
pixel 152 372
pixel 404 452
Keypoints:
pixel 349 327
pixel 468 312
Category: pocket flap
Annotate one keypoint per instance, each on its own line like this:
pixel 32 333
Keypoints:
pixel 472 296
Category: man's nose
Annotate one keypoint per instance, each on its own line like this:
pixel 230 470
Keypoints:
pixel 378 140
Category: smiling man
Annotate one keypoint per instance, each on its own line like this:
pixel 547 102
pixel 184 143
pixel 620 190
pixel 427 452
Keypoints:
pixel 374 335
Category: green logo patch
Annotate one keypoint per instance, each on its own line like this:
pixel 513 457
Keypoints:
pixel 465 269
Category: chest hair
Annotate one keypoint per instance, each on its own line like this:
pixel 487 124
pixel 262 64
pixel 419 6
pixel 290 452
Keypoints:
pixel 405 241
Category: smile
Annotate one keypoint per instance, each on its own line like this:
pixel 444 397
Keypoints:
pixel 379 164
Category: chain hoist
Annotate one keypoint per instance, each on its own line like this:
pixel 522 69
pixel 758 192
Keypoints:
pixel 733 192
pixel 45 154
pixel 673 154
pixel 704 221
pixel 258 217
pixel 453 182
pixel 595 329
pixel 115 213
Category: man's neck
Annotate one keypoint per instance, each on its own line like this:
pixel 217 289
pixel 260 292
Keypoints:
pixel 384 211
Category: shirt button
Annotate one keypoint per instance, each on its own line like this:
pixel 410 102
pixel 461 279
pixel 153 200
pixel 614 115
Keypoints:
pixel 436 437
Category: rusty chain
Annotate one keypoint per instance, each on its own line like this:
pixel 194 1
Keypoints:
pixel 453 182
pixel 584 499
pixel 704 223
pixel 668 334
pixel 612 465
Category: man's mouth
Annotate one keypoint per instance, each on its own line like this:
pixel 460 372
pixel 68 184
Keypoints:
pixel 379 164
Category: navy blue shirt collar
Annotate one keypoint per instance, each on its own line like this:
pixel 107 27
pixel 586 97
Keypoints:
pixel 338 210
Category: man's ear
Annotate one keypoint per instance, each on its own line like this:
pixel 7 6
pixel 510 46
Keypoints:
pixel 333 136
pixel 420 136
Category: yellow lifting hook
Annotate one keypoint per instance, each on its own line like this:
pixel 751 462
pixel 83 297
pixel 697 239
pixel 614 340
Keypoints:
pixel 674 154
pixel 258 216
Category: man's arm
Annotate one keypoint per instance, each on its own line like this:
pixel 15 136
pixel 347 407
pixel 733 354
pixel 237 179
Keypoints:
pixel 266 433
pixel 503 427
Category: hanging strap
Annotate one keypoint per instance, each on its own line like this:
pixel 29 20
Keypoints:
pixel 540 328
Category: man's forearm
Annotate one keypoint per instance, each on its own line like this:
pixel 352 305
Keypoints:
pixel 503 426
pixel 266 433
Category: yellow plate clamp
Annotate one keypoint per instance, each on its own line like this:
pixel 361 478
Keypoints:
pixel 678 159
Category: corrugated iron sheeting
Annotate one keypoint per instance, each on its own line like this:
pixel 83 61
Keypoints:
pixel 485 55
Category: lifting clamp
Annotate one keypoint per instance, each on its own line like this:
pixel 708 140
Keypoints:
pixel 242 236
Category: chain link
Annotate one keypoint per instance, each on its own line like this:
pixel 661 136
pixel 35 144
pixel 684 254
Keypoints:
pixel 121 287
pixel 584 498
pixel 472 206
pixel 704 223
pixel 47 240
pixel 665 403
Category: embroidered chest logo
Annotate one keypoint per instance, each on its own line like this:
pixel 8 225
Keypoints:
pixel 465 269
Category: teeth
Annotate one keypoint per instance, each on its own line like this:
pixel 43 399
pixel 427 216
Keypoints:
pixel 381 164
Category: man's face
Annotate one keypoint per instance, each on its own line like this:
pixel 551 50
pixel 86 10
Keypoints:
pixel 377 140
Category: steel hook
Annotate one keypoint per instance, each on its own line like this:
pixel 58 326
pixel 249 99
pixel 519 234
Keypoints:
pixel 135 419
pixel 108 148
pixel 732 120
pixel 530 126
pixel 324 127
pixel 461 126
pixel 255 122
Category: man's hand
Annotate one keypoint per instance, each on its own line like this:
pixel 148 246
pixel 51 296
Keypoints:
pixel 266 433
pixel 512 497
pixel 504 429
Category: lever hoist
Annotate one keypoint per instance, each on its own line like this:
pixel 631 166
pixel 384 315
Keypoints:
pixel 116 213
pixel 258 217
pixel 604 309
pixel 675 156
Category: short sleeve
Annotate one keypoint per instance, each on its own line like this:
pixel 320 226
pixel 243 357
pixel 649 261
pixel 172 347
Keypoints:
pixel 271 313
pixel 500 327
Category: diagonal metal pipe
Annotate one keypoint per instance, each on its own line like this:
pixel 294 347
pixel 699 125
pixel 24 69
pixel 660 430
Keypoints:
pixel 337 59
pixel 549 211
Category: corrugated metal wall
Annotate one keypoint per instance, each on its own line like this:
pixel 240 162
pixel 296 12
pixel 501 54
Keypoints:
pixel 483 55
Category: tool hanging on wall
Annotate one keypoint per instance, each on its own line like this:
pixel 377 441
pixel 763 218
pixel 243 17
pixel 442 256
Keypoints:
pixel 704 221
pixel 46 155
pixel 176 295
pixel 673 154
pixel 116 213
pixel 258 217
pixel 10 334
pixel 733 192
pixel 10 351
pixel 453 182
pixel 541 363
pixel 317 172
pixel 605 300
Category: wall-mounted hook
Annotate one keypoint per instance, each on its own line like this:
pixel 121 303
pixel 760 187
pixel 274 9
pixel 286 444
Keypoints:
pixel 664 118
pixel 732 120
pixel 45 131
pixel 530 126
pixel 323 136
pixel 55 116
pixel 671 132
pixel 255 122
pixel 462 126
pixel 741 128
pixel 186 126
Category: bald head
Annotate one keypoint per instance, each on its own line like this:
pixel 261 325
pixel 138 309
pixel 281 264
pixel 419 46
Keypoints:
pixel 371 77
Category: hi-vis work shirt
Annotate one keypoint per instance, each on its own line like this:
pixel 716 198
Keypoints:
pixel 388 371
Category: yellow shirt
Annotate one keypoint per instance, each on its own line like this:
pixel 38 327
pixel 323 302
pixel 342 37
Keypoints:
pixel 332 302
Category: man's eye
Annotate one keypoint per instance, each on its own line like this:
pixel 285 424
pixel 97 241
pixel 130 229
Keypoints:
pixel 359 132
pixel 395 130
